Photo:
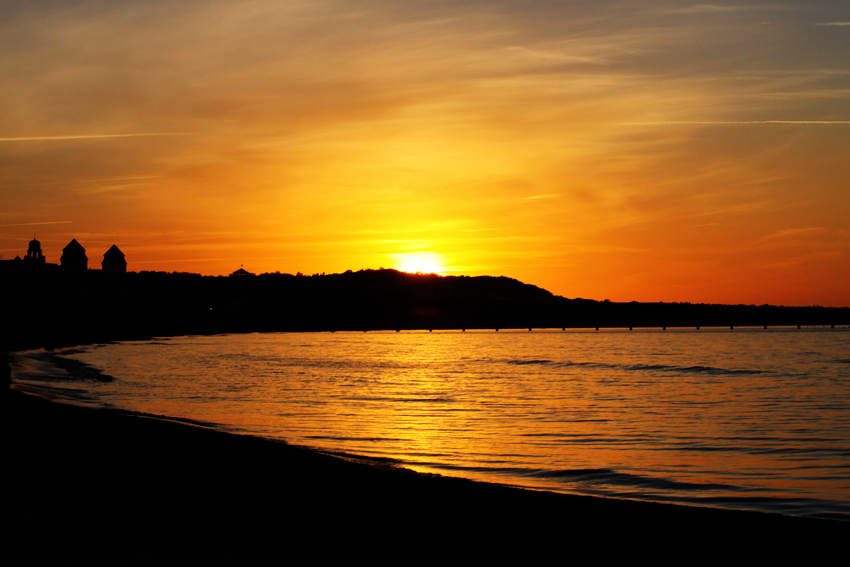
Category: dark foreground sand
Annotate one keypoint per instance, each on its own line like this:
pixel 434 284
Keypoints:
pixel 88 486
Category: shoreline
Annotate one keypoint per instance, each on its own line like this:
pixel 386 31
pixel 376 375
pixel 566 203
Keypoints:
pixel 95 485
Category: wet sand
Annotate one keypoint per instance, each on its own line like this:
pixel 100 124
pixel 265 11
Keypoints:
pixel 88 486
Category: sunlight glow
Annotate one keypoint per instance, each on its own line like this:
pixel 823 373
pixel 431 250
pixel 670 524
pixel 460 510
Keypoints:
pixel 420 262
pixel 633 158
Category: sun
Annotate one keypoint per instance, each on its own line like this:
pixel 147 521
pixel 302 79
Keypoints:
pixel 420 262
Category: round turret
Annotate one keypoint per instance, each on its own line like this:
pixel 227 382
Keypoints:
pixel 34 252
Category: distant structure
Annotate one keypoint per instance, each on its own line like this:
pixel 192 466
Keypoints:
pixel 73 264
pixel 74 260
pixel 113 262
pixel 241 272
pixel 46 294
pixel 34 254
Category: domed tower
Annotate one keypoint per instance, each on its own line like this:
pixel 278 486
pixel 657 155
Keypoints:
pixel 113 262
pixel 74 260
pixel 34 252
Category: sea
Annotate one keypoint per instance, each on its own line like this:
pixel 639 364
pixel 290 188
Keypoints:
pixel 731 418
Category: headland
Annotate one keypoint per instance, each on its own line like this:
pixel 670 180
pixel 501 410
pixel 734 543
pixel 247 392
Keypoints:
pixel 51 304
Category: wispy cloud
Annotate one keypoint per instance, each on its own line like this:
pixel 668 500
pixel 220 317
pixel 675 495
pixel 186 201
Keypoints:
pixel 324 136
pixel 793 232
pixel 181 260
pixel 711 9
pixel 539 197
pixel 38 223
pixel 81 181
pixel 92 136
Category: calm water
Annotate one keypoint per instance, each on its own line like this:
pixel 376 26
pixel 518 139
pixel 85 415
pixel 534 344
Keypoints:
pixel 742 419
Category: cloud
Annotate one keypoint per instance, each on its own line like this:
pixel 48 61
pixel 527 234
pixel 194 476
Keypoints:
pixel 541 197
pixel 365 123
pixel 793 232
pixel 38 223
pixel 833 24
pixel 709 9
pixel 91 136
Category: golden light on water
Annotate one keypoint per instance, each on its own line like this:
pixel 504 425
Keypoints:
pixel 564 411
pixel 420 262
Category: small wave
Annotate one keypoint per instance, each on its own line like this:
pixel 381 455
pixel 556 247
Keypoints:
pixel 54 392
pixel 700 448
pixel 398 400
pixel 371 460
pixel 807 507
pixel 778 439
pixel 339 438
pixel 74 369
pixel 70 351
pixel 801 451
pixel 594 477
pixel 185 420
pixel 710 370
pixel 611 477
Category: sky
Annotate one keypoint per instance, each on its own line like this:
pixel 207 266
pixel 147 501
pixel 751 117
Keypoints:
pixel 623 150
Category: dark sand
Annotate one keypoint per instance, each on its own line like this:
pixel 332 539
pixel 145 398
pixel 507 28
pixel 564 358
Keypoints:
pixel 87 486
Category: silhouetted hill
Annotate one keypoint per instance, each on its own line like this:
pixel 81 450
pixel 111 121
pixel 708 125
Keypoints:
pixel 41 308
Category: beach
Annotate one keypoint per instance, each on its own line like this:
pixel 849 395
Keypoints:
pixel 104 487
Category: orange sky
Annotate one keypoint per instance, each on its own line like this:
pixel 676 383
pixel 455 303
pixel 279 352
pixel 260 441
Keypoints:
pixel 628 150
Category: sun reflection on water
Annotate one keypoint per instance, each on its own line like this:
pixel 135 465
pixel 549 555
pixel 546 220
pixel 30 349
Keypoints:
pixel 679 415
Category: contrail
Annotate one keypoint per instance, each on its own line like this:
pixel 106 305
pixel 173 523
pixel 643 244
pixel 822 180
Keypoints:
pixel 35 223
pixel 93 136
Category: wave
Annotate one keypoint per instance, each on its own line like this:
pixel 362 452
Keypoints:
pixel 614 478
pixel 710 370
pixel 613 484
pixel 55 366
pixel 398 400
pixel 339 438
pixel 807 507
pixel 600 477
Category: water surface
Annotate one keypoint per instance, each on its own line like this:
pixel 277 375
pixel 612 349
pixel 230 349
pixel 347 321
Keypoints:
pixel 739 419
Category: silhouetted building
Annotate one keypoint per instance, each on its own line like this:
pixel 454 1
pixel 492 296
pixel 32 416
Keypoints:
pixel 74 260
pixel 34 252
pixel 113 262
pixel 241 272
pixel 8 267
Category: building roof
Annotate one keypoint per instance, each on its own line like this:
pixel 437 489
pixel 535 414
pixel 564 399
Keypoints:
pixel 74 246
pixel 113 253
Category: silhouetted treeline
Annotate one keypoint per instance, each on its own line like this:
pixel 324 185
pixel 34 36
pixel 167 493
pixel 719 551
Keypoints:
pixel 39 308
